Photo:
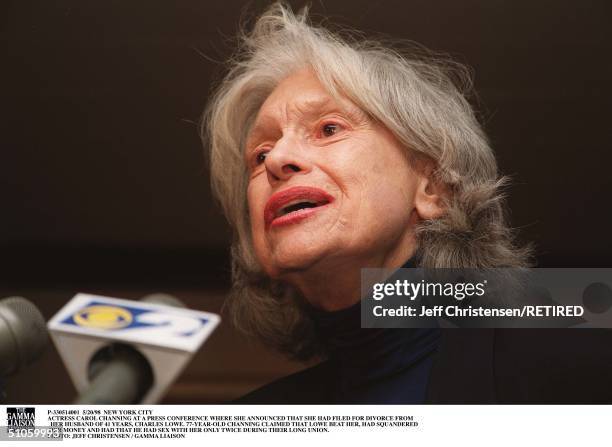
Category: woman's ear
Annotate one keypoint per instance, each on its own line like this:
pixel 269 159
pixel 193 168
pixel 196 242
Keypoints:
pixel 430 195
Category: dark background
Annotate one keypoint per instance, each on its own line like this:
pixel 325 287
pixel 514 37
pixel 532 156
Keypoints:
pixel 104 188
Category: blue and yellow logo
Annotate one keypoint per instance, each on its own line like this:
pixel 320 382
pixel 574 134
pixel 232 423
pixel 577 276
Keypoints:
pixel 97 314
pixel 103 317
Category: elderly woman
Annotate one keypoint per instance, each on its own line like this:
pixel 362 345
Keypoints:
pixel 329 154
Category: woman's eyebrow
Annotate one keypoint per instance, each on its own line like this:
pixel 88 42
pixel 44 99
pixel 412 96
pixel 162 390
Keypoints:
pixel 317 107
pixel 259 131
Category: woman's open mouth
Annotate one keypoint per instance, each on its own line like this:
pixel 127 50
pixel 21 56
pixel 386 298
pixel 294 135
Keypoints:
pixel 294 204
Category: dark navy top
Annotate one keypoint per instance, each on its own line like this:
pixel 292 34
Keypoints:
pixel 364 366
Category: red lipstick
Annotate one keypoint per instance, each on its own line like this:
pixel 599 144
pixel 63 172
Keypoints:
pixel 294 204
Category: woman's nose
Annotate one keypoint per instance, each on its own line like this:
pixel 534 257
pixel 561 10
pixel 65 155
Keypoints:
pixel 285 160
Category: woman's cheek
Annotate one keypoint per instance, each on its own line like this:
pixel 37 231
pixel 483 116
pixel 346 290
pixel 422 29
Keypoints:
pixel 257 194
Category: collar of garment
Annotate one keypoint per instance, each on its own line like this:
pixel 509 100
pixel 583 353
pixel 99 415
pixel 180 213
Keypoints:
pixel 362 355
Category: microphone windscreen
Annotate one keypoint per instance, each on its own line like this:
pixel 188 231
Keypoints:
pixel 23 332
pixel 163 298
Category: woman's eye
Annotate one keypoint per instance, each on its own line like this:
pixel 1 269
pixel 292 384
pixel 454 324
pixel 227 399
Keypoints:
pixel 261 157
pixel 329 130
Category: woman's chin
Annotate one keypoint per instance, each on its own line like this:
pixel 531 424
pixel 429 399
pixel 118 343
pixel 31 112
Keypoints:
pixel 288 258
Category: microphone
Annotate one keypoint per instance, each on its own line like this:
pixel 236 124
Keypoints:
pixel 23 335
pixel 120 374
pixel 127 352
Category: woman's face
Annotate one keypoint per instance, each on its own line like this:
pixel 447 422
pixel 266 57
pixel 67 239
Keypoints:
pixel 327 185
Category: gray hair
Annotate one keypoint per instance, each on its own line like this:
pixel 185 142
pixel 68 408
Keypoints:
pixel 419 97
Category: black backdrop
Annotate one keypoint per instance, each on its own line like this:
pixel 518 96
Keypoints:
pixel 102 175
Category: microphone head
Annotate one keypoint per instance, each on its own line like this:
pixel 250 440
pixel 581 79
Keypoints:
pixel 166 337
pixel 163 298
pixel 23 334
